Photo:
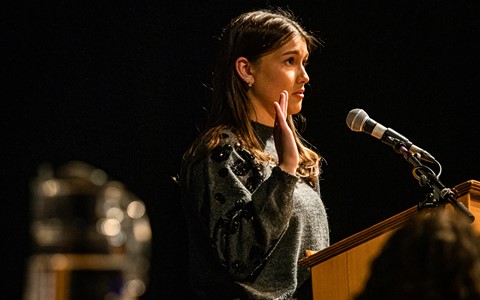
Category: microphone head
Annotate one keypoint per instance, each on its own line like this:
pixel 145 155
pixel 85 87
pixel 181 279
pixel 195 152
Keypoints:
pixel 356 119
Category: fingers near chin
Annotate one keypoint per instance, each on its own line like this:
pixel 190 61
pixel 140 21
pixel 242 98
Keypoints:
pixel 278 111
pixel 285 101
pixel 277 107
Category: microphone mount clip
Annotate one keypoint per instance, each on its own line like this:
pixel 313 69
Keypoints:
pixel 440 194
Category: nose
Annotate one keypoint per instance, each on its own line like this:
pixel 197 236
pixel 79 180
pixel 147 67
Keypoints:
pixel 303 76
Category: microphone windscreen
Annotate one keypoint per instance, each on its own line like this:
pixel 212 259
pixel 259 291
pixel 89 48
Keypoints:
pixel 356 119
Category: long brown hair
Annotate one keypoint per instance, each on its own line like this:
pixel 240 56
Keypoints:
pixel 251 35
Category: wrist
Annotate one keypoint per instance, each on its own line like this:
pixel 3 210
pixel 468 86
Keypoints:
pixel 288 169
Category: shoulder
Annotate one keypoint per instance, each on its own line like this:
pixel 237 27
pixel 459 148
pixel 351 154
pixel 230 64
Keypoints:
pixel 228 143
pixel 228 136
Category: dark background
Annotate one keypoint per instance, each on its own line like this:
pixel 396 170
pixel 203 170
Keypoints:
pixel 119 85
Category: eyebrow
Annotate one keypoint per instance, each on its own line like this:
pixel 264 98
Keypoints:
pixel 293 52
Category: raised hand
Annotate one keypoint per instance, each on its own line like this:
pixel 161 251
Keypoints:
pixel 285 144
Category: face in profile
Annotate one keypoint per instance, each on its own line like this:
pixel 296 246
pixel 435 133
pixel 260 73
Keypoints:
pixel 282 69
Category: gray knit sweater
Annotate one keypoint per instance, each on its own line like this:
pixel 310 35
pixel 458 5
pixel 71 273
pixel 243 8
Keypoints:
pixel 249 223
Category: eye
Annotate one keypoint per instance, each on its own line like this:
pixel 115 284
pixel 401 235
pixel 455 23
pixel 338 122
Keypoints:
pixel 290 61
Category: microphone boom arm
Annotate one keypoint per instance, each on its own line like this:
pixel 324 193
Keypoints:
pixel 430 179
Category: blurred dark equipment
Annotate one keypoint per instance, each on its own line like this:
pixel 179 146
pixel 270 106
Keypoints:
pixel 91 237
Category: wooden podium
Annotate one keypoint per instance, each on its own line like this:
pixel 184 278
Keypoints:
pixel 339 272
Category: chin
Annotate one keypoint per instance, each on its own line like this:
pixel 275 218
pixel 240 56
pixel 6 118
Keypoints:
pixel 294 110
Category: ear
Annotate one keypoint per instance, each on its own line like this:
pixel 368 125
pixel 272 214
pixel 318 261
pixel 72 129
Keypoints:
pixel 244 69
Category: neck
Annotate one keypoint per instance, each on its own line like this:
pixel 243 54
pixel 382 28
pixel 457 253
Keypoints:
pixel 263 118
pixel 261 113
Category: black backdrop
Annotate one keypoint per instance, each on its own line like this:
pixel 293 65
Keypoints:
pixel 119 85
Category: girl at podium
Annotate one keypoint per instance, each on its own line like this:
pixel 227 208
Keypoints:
pixel 250 182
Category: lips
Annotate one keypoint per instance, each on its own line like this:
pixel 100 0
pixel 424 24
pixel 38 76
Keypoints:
pixel 300 93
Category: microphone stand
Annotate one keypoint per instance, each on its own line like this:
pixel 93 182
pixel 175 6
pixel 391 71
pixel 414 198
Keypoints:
pixel 440 194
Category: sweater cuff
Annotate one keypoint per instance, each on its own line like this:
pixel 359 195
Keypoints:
pixel 283 176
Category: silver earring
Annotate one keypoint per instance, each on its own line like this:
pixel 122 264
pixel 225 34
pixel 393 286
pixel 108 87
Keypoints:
pixel 250 84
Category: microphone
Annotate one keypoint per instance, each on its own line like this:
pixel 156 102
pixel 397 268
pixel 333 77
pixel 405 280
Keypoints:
pixel 358 120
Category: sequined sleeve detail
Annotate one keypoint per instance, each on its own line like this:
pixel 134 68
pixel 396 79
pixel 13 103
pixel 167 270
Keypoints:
pixel 246 206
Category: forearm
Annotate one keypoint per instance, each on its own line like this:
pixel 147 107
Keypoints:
pixel 246 232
